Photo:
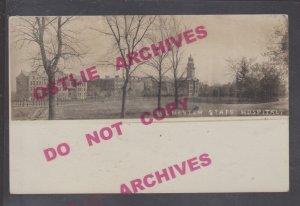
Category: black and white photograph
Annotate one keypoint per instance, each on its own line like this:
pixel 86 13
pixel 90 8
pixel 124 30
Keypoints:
pixel 225 65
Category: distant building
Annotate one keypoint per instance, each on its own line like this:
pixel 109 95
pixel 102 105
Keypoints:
pixel 189 86
pixel 105 87
pixel 78 92
pixel 113 87
pixel 151 87
pixel 136 86
pixel 22 86
pixel 145 86
pixel 26 82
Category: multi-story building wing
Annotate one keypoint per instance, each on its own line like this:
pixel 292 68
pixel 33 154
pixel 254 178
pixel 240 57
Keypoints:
pixel 22 86
pixel 105 87
pixel 81 91
pixel 78 92
pixel 62 94
pixel 26 82
pixel 135 87
pixel 146 86
pixel 150 86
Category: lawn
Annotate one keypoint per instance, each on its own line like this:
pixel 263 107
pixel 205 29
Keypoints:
pixel 110 109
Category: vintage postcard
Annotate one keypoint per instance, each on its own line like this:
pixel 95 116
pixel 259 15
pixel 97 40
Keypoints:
pixel 149 104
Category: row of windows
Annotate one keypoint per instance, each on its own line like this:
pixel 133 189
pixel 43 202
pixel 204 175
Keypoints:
pixel 37 82
pixel 60 89
pixel 81 89
pixel 38 77
pixel 59 86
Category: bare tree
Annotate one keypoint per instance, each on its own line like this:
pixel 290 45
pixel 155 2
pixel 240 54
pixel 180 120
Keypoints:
pixel 176 55
pixel 55 46
pixel 127 33
pixel 160 62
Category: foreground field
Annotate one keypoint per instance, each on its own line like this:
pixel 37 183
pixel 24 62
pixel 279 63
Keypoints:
pixel 134 107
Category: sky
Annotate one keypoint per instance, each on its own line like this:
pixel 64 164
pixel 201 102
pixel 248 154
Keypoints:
pixel 229 37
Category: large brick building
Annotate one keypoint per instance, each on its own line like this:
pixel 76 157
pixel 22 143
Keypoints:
pixel 151 87
pixel 145 86
pixel 137 86
pixel 105 87
pixel 26 82
pixel 113 87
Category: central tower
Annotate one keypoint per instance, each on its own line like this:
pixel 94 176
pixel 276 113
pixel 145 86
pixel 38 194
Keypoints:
pixel 190 68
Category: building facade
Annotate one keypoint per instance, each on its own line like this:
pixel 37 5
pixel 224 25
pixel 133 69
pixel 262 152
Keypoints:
pixel 105 87
pixel 26 82
pixel 112 87
pixel 145 86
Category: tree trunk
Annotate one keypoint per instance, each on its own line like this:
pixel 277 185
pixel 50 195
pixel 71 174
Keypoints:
pixel 124 89
pixel 52 99
pixel 176 94
pixel 159 93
